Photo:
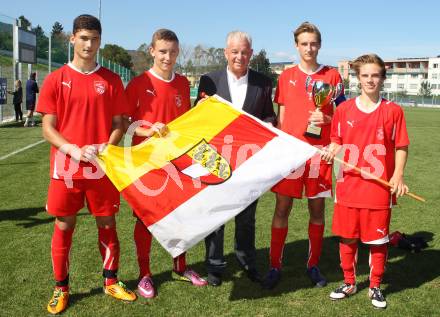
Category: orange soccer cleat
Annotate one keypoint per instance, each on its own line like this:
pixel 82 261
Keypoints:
pixel 58 302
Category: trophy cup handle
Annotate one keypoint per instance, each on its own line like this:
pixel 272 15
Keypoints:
pixel 338 91
pixel 309 86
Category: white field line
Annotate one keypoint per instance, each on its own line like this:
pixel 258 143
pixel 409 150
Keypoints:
pixel 21 150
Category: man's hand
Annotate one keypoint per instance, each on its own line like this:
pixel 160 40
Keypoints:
pixel 318 118
pixel 88 153
pixel 159 128
pixel 329 152
pixel 203 97
pixel 398 187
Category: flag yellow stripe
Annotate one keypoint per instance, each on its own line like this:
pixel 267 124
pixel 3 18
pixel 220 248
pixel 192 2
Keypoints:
pixel 124 165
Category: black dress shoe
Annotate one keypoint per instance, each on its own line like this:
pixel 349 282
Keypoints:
pixel 214 279
pixel 253 275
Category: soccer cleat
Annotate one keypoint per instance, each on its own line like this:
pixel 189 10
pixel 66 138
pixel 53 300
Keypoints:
pixel 190 276
pixel 315 276
pixel 377 298
pixel 58 302
pixel 272 278
pixel 343 291
pixel 120 291
pixel 253 275
pixel 146 287
pixel 214 279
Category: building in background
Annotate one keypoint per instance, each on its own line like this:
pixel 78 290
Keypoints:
pixel 279 67
pixel 404 75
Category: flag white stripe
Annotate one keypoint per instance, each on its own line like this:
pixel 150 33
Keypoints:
pixel 193 220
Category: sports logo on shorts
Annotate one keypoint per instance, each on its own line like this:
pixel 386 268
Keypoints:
pixel 100 87
pixel 178 99
pixel 379 133
pixel 202 162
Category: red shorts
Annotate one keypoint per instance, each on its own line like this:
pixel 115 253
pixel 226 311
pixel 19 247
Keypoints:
pixel 315 176
pixel 371 226
pixel 101 195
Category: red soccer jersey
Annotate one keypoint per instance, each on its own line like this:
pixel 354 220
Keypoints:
pixel 84 105
pixel 154 99
pixel 291 93
pixel 370 139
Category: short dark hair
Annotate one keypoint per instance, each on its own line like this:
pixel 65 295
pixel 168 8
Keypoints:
pixel 164 34
pixel 86 22
pixel 33 76
pixel 368 59
pixel 307 27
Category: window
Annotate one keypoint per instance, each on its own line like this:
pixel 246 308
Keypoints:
pixel 401 86
pixel 413 86
pixel 401 76
pixel 434 86
pixel 387 85
pixel 434 76
pixel 435 65
pixel 414 75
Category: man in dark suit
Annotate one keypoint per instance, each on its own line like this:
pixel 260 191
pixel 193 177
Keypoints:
pixel 252 92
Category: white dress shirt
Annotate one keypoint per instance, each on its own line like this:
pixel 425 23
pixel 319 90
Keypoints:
pixel 237 88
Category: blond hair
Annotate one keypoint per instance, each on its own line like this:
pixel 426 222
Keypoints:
pixel 368 59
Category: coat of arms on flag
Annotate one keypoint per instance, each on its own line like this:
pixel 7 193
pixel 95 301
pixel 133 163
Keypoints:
pixel 214 162
pixel 204 163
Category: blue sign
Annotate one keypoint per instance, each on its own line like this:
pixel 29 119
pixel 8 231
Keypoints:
pixel 3 90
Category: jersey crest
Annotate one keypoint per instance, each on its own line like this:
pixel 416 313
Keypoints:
pixel 100 87
pixel 178 99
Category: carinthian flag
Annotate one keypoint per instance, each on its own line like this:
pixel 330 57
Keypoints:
pixel 214 162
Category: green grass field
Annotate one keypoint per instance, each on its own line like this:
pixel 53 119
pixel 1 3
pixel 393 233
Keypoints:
pixel 411 283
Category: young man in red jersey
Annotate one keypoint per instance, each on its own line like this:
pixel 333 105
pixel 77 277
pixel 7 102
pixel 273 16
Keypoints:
pixel 296 111
pixel 373 130
pixel 157 97
pixel 82 105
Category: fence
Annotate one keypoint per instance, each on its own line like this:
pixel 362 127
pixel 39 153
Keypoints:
pixel 61 52
pixel 403 99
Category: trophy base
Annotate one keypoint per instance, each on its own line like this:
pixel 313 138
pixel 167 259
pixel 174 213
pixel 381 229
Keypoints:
pixel 313 132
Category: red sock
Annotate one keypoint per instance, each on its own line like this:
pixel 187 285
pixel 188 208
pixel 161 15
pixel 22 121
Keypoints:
pixel 142 239
pixel 179 263
pixel 348 255
pixel 316 233
pixel 61 244
pixel 109 249
pixel 378 258
pixel 277 246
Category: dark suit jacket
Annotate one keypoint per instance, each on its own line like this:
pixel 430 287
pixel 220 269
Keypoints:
pixel 258 101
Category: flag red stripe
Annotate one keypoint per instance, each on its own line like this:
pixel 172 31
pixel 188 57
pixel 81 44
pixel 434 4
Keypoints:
pixel 151 209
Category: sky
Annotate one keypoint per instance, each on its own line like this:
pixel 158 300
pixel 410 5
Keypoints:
pixel 390 28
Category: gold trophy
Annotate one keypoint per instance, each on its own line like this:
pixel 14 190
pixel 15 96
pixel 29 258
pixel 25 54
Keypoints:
pixel 322 94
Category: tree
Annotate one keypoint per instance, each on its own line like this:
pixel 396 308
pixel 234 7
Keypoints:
pixel 59 47
pixel 141 58
pixel 185 52
pixel 42 42
pixel 24 23
pixel 117 54
pixel 57 28
pixel 425 89
pixel 346 83
pixel 261 64
pixel 5 36
pixel 220 58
